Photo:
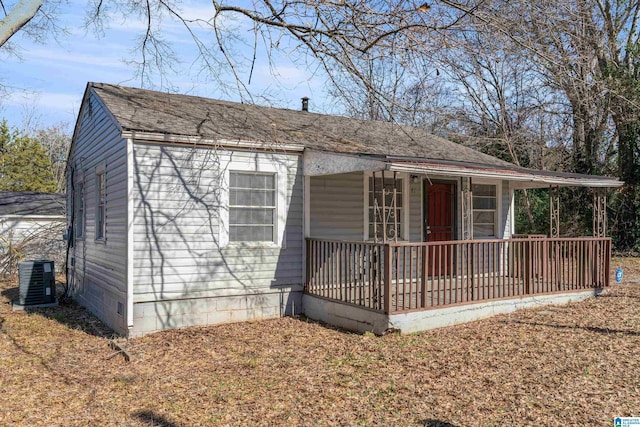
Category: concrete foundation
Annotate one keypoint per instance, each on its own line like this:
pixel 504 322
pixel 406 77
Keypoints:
pixel 359 319
pixel 346 316
pixel 156 316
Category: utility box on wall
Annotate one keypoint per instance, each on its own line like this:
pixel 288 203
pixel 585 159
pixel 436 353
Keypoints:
pixel 37 282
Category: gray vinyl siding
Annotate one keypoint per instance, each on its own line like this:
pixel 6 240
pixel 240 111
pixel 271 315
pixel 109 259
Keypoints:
pixel 337 206
pixel 100 267
pixel 337 210
pixel 178 206
pixel 415 211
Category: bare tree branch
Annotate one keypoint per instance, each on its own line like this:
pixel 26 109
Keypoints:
pixel 20 15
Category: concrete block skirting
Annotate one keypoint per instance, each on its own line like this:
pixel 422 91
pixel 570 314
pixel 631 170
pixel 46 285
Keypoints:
pixel 358 319
pixel 156 316
pixel 346 316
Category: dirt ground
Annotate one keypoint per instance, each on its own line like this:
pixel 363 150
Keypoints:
pixel 575 364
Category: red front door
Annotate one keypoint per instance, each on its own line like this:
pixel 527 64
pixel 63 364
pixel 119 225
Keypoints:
pixel 439 225
pixel 438 211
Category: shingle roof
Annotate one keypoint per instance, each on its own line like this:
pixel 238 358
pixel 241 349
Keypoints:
pixel 31 203
pixel 183 115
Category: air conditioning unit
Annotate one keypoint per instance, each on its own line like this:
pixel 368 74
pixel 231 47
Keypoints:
pixel 37 282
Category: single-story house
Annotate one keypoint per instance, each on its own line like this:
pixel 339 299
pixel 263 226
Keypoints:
pixel 191 211
pixel 31 227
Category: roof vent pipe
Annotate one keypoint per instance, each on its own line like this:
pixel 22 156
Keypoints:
pixel 305 104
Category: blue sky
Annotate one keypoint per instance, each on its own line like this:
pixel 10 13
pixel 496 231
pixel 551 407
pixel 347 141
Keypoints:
pixel 48 80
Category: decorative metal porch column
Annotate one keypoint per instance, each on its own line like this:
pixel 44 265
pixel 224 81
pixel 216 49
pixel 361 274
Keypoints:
pixel 599 212
pixel 600 264
pixel 554 211
pixel 466 231
pixel 385 217
pixel 467 210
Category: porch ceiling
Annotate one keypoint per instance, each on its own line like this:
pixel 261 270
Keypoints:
pixel 326 163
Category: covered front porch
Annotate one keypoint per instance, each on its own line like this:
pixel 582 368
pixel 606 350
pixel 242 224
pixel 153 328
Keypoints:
pixel 393 239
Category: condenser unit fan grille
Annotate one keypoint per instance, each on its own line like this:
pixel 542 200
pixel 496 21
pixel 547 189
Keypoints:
pixel 36 282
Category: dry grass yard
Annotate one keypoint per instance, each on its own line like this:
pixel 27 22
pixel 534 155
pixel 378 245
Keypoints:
pixel 576 364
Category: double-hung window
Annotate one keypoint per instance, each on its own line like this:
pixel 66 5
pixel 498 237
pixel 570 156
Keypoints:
pixel 100 206
pixel 252 207
pixel 484 211
pixel 389 213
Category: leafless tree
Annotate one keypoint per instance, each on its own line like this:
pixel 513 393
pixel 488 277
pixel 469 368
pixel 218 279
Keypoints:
pixel 56 140
pixel 569 62
pixel 588 50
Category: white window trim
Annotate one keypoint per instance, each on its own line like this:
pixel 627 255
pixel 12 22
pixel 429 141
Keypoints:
pixel 273 207
pixel 259 163
pixel 498 226
pixel 406 208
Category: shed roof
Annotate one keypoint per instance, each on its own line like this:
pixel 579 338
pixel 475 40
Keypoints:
pixel 191 117
pixel 21 203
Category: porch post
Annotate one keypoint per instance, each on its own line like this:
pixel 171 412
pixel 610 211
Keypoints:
pixel 387 277
pixel 384 211
pixel 467 233
pixel 600 264
pixel 599 212
pixel 554 228
pixel 467 210
pixel 375 208
pixel 554 211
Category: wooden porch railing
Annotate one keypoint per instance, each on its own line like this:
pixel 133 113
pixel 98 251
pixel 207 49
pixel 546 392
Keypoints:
pixel 397 277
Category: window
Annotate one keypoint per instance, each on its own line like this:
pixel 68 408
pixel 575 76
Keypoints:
pixel 79 214
pixel 484 210
pixel 100 207
pixel 252 207
pixel 392 216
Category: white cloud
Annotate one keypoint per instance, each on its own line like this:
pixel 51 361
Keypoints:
pixel 286 73
pixel 197 11
pixel 168 22
pixel 66 58
pixel 287 76
pixel 45 107
pixel 66 102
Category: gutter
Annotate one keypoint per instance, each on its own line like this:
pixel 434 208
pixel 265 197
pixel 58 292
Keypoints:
pixel 503 174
